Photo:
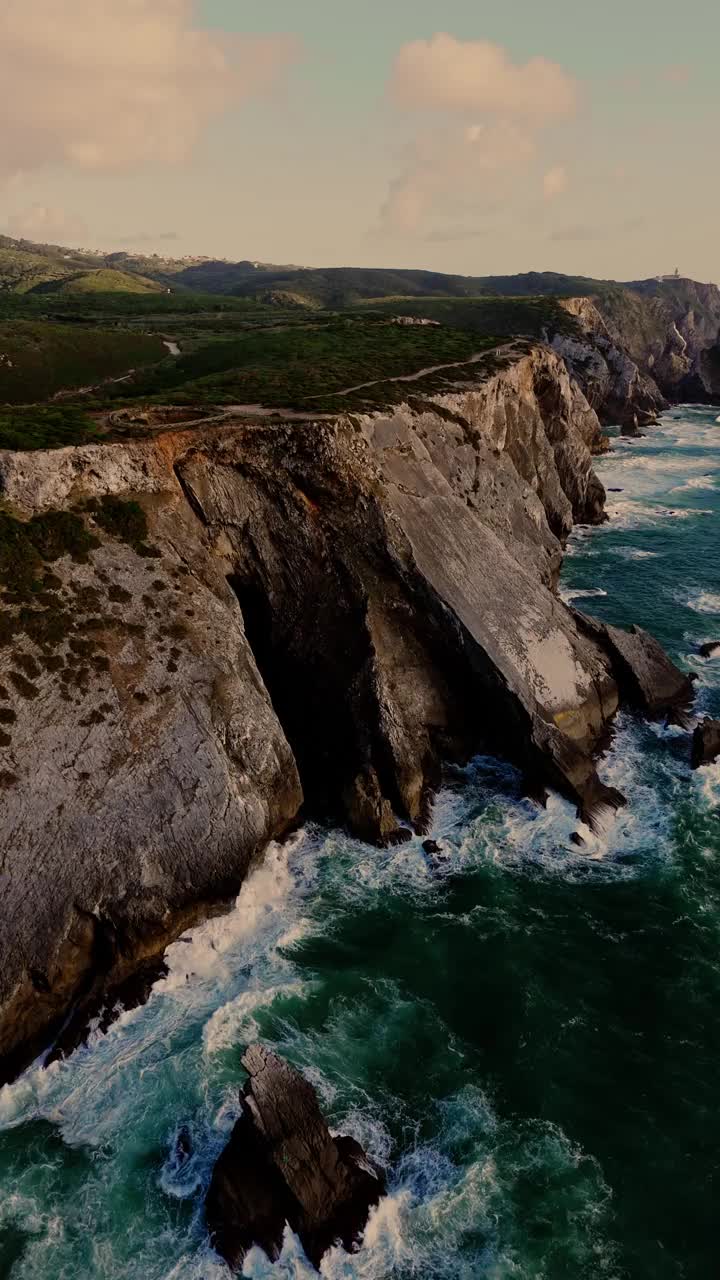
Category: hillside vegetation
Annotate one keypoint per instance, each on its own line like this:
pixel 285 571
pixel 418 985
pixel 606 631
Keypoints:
pixel 104 280
pixel 291 366
pixel 94 328
pixel 45 427
pixel 38 359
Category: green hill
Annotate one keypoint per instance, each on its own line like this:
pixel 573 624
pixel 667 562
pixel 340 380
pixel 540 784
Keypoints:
pixel 102 280
pixel 38 359
pixel 21 270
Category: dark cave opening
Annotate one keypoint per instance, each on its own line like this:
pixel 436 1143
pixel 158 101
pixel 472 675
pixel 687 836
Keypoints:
pixel 311 662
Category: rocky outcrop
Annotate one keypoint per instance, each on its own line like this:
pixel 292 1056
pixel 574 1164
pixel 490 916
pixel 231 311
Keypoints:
pixel 282 1166
pixel 678 342
pixel 203 631
pixel 647 679
pixel 616 387
pixel 639 346
pixel 705 743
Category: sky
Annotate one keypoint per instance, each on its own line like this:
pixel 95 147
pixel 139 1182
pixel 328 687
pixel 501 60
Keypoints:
pixel 463 136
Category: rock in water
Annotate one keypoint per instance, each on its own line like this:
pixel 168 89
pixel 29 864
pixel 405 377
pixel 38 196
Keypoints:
pixel 706 743
pixel 283 1166
pixel 710 650
pixel 645 674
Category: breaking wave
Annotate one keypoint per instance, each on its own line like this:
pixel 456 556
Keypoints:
pixel 521 1032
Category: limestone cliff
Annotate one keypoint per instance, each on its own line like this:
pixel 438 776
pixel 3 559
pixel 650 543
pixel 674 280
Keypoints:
pixel 637 347
pixel 616 386
pixel 201 631
pixel 678 339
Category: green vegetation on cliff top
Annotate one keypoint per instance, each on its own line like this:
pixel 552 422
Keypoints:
pixel 39 359
pixel 234 351
pixel 45 427
pixel 288 367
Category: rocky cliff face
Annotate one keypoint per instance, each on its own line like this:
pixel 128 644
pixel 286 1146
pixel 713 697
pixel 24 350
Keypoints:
pixel 200 632
pixel 679 341
pixel 615 385
pixel 640 346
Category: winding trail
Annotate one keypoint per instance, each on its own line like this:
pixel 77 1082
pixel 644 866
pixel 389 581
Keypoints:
pixel 506 349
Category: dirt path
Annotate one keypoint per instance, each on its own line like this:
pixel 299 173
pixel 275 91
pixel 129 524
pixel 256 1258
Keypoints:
pixel 505 349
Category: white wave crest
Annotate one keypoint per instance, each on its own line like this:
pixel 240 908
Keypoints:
pixel 580 593
pixel 705 602
pixel 696 482
pixel 634 553
pixel 234 1023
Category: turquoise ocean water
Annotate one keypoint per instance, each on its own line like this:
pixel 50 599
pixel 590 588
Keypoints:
pixel 529 1039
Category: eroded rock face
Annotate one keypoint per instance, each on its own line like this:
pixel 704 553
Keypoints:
pixel 679 342
pixel 644 344
pixel 142 763
pixel 320 609
pixel 706 743
pixel 392 625
pixel 616 386
pixel 283 1166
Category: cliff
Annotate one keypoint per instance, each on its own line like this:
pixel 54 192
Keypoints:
pixel 617 387
pixel 678 340
pixel 638 347
pixel 203 632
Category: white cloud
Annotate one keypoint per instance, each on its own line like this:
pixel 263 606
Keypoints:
pixel 115 84
pixel 478 76
pixel 555 182
pixel 503 107
pixel 476 160
pixel 46 224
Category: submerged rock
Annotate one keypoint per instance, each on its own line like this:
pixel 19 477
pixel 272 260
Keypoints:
pixel 706 743
pixel 281 1166
pixel 431 847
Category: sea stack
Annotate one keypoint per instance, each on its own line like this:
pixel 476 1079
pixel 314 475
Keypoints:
pixel 282 1166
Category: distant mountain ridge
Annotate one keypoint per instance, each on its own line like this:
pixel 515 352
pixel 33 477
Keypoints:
pixel 25 265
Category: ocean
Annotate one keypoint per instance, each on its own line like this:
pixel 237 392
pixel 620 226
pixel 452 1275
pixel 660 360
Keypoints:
pixel 528 1038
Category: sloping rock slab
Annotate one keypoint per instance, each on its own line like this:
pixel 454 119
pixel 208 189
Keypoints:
pixel 706 743
pixel 646 676
pixel 283 1166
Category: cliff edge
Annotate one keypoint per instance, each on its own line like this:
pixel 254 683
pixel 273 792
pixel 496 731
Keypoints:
pixel 206 633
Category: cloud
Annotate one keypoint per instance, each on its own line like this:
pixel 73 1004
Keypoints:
pixel 474 160
pixel 555 182
pixel 677 75
pixel 477 76
pixel 503 107
pixel 46 224
pixel 105 85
